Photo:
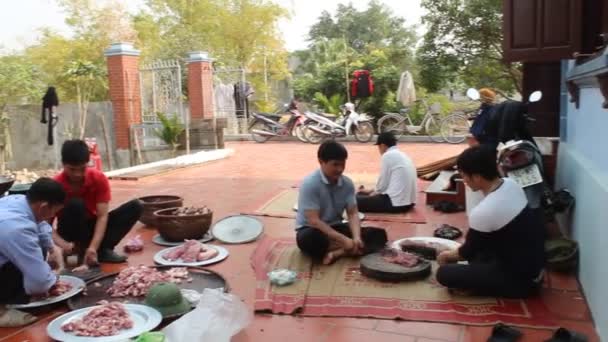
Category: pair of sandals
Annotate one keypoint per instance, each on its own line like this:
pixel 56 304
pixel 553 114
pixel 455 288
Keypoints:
pixel 504 333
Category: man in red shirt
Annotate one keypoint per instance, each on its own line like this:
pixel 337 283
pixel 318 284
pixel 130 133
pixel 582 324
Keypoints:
pixel 86 225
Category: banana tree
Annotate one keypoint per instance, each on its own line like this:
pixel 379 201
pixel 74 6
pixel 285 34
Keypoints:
pixel 170 131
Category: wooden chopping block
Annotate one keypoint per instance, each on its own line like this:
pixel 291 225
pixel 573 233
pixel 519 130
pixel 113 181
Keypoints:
pixel 374 266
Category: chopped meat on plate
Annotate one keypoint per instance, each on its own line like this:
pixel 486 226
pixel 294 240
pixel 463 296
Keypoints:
pixel 105 320
pixel 135 281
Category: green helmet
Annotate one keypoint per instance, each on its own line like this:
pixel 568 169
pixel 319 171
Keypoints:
pixel 167 299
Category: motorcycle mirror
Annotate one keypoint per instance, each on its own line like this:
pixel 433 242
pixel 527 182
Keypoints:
pixel 536 96
pixel 473 94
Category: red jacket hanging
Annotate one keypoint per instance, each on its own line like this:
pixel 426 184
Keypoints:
pixel 362 84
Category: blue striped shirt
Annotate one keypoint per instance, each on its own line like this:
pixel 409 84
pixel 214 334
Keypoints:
pixel 22 241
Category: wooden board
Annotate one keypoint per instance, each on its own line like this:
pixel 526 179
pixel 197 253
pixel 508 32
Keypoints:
pixel 97 288
pixel 374 266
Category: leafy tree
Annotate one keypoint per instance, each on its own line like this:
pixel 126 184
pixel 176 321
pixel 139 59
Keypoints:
pixel 373 39
pixel 170 131
pixel 330 105
pixel 18 84
pixel 464 38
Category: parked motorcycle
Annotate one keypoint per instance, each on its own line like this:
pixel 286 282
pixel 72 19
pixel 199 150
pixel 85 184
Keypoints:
pixel 519 158
pixel 264 126
pixel 319 127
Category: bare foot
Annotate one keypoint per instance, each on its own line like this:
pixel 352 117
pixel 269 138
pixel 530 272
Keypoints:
pixel 332 256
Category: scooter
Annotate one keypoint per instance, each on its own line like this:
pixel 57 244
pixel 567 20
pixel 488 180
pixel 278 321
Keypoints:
pixel 320 127
pixel 518 156
pixel 265 126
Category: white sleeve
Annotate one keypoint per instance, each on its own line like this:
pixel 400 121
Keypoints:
pixel 483 219
pixel 383 179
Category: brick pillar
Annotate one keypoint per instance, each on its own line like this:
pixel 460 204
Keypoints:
pixel 123 79
pixel 200 86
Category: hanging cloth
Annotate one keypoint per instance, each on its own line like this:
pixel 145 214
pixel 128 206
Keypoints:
pixel 362 85
pixel 49 102
pixel 406 93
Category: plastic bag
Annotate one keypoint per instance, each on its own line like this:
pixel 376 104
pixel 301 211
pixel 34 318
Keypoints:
pixel 135 244
pixel 217 317
pixel 282 277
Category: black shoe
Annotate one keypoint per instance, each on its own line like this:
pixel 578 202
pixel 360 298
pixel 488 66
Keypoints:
pixel 109 256
pixel 504 333
pixel 565 335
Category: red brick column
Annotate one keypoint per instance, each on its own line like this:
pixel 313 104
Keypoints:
pixel 123 79
pixel 200 86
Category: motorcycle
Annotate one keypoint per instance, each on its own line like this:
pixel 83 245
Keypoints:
pixel 518 156
pixel 319 127
pixel 264 126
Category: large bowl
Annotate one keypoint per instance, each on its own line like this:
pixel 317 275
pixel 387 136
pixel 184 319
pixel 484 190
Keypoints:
pixel 5 184
pixel 155 203
pixel 175 228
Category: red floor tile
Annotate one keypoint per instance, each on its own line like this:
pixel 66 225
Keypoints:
pixel 445 332
pixel 561 281
pixel 339 334
pixel 566 305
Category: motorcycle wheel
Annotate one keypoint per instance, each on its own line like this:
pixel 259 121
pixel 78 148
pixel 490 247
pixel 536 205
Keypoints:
pixel 433 129
pixel 299 133
pixel 312 136
pixel 259 138
pixel 364 132
pixel 455 128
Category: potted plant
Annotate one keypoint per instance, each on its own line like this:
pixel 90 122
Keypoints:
pixel 170 131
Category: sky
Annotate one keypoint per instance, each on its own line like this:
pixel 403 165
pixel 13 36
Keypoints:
pixel 21 19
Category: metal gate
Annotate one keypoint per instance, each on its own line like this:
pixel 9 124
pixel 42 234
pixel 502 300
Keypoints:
pixel 160 92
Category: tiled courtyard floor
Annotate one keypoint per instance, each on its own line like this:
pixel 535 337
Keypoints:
pixel 257 172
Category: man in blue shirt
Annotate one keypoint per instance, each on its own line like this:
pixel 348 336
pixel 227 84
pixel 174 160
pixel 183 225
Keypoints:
pixel 324 196
pixel 25 237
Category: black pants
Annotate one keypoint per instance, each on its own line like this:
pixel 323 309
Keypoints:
pixel 315 243
pixel 486 278
pixel 11 288
pixel 379 204
pixel 75 225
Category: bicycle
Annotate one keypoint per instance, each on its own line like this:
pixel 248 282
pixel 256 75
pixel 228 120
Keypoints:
pixel 456 126
pixel 400 123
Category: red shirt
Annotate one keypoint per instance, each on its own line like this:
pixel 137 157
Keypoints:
pixel 96 189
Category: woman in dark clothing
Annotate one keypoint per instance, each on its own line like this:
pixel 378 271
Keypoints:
pixel 504 246
pixel 478 129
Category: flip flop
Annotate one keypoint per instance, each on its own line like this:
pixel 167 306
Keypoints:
pixel 12 318
pixel 565 335
pixel 504 333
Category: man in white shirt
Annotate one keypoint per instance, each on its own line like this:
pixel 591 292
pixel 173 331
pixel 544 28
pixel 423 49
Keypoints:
pixel 396 188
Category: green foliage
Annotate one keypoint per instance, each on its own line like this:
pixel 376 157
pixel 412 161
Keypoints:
pixel 18 81
pixel 330 105
pixel 464 40
pixel 171 129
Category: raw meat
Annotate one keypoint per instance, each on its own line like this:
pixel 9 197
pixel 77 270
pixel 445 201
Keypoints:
pixel 105 320
pixel 135 244
pixel 191 251
pixel 426 249
pixel 400 258
pixel 191 211
pixel 136 281
pixel 60 288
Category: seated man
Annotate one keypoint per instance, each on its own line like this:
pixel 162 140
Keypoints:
pixel 505 243
pixel 85 224
pixel 25 237
pixel 396 188
pixel 324 195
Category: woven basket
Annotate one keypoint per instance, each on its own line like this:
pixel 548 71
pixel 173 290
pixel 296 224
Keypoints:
pixel 175 228
pixel 155 203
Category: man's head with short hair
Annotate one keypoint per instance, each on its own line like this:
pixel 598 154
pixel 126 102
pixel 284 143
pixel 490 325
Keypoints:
pixel 332 156
pixel 477 165
pixel 75 157
pixel 46 197
pixel 385 141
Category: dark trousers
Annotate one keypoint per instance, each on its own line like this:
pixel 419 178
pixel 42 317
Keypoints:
pixel 379 204
pixel 486 278
pixel 11 288
pixel 315 243
pixel 75 224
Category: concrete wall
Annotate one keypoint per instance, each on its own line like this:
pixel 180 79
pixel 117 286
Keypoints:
pixel 583 169
pixel 29 136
